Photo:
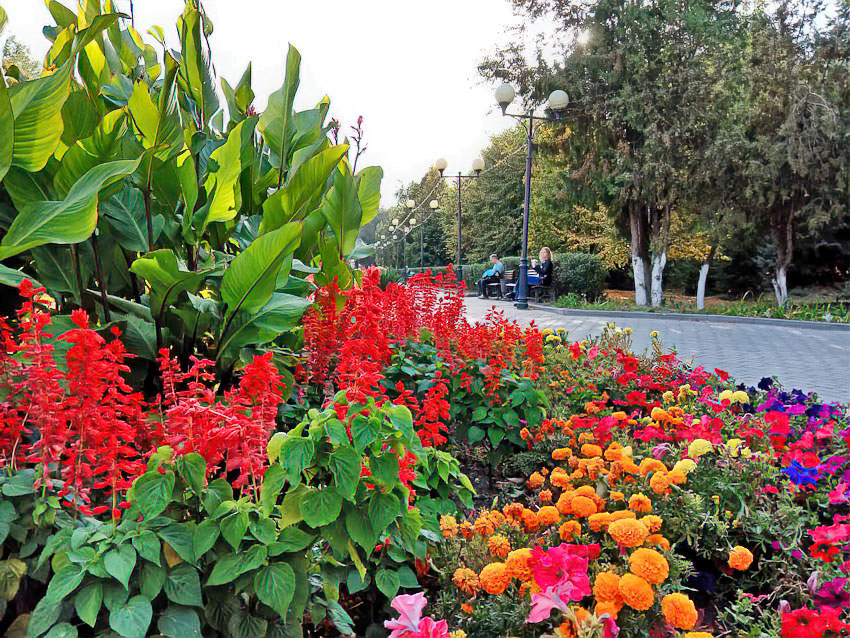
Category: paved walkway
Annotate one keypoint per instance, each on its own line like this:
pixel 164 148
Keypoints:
pixel 812 358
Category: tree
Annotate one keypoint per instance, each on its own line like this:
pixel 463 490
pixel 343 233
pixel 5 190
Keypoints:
pixel 18 63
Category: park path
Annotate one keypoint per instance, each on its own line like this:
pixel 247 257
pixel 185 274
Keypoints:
pixel 813 358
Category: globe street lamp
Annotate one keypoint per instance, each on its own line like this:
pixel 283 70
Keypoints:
pixel 434 205
pixel 477 166
pixel 558 101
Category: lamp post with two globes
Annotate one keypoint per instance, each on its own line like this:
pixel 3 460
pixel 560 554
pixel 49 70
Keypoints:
pixel 477 166
pixel 558 101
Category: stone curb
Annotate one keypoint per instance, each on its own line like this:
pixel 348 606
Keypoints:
pixel 753 321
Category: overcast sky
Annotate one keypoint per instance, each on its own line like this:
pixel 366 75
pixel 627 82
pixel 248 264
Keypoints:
pixel 408 67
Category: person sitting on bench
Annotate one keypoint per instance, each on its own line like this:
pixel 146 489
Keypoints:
pixel 492 275
pixel 544 268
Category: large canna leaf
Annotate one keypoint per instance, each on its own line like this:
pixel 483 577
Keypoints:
pixel 195 75
pixel 224 167
pixel 342 211
pixel 125 214
pixel 69 221
pixel 250 280
pixel 276 124
pixel 167 280
pixel 3 19
pixel 369 192
pixel 37 108
pixel 303 192
pixel 158 128
pixel 7 127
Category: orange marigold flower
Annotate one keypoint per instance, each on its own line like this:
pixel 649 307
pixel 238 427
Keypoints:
pixel 698 634
pixel 524 434
pixel 659 482
pixel 545 496
pixel 659 541
pixel 466 529
pixel 659 414
pixel 586 490
pixel 548 515
pixel 606 587
pixel 565 630
pixel 564 503
pixel 544 471
pixel 740 558
pixel 495 578
pixel 617 496
pixel 529 587
pixel 466 608
pixel 599 522
pixel 530 522
pixel 679 611
pixel 535 480
pixel 621 514
pixel 636 592
pixel 588 449
pixel 610 608
pixel 560 478
pixel 448 526
pixel 651 465
pixel 677 477
pixel 499 545
pixel 620 416
pixel 561 453
pixel 640 503
pixel 496 518
pixel 513 510
pixel 653 523
pixel 517 563
pixel 569 530
pixel 628 532
pixel 466 580
pixel 649 565
pixel 582 506
pixel 483 525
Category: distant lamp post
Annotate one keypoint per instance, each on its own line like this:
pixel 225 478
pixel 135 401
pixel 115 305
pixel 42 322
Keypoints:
pixel 558 101
pixel 477 166
pixel 434 205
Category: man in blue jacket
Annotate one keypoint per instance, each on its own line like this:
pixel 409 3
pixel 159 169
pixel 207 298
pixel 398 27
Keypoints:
pixel 492 275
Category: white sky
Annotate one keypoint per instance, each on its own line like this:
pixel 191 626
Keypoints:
pixel 408 67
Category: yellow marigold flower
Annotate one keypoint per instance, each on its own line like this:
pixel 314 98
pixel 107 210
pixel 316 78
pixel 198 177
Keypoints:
pixel 649 565
pixel 659 482
pixel 698 634
pixel 588 449
pixel 679 611
pixel 466 580
pixel 636 592
pixel 699 447
pixel 495 578
pixel 586 490
pixel 653 523
pixel 740 558
pixel 548 515
pixel 659 541
pixel 499 545
pixel 545 496
pixel 668 396
pixel 483 525
pixel 605 608
pixel 606 587
pixel 561 453
pixel 448 526
pixel 628 532
pixel 599 522
pixel 617 496
pixel 640 503
pixel 459 633
pixel 685 465
pixel 582 506
pixel 651 465
pixel 654 334
pixel 740 397
pixel 620 416
pixel 569 530
pixel 535 480
pixel 726 395
pixel 677 477
pixel 517 564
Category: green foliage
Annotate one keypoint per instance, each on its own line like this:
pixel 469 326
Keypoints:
pixel 579 274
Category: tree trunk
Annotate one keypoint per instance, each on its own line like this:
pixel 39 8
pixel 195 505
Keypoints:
pixel 658 263
pixel 660 228
pixel 703 277
pixel 638 226
pixel 782 233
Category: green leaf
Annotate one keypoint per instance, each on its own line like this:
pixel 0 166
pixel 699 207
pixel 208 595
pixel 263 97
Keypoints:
pixel 475 434
pixel 62 630
pixel 148 546
pixel 293 539
pixel 385 468
pixel 244 625
pixel 356 583
pixel 183 585
pixel 193 470
pixel 180 537
pixel 167 281
pixel 275 586
pixel 250 280
pixel 342 211
pixel 231 566
pixel 387 582
pixel 383 510
pixel 276 123
pixel 64 582
pixel 152 580
pixel 345 464
pixel 132 619
pixel 321 507
pixel 43 617
pixel 359 527
pixel 87 602
pixel 365 431
pixel 69 221
pixel 495 434
pixel 410 526
pixel 369 192
pixel 7 128
pixel 273 482
pixel 222 185
pixel 206 534
pixel 407 578
pixel 125 214
pixel 152 492
pixel 179 622
pixel 264 530
pixel 37 108
pixel 296 454
pixel 119 563
pixel 159 130
pixel 233 528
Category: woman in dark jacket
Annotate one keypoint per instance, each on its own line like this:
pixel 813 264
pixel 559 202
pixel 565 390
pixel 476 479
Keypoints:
pixel 544 268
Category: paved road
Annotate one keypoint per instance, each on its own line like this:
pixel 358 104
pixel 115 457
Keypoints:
pixel 814 359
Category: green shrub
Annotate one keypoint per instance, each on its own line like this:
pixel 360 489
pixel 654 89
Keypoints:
pixel 580 274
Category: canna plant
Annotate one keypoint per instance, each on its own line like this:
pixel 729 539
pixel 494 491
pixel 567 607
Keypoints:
pixel 127 190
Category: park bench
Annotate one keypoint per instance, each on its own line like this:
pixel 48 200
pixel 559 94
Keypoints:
pixel 498 289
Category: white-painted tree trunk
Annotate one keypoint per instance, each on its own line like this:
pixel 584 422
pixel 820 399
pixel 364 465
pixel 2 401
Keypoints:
pixel 658 263
pixel 639 271
pixel 703 278
pixel 780 286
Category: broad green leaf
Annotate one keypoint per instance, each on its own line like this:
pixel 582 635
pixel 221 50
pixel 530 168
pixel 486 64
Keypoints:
pixel 321 507
pixel 276 123
pixel 63 15
pixel 64 582
pixel 206 534
pixel 345 464
pixel 152 580
pixel 12 277
pixel 37 108
pixel 273 482
pixel 342 210
pixel 44 616
pixel 119 563
pixel 233 528
pixel 179 622
pixel 410 526
pixel 7 126
pixel 293 539
pixel 152 492
pixel 303 190
pixel 125 214
pixel 87 602
pixel 365 431
pixel 132 619
pixel 264 530
pixel 243 625
pixel 223 170
pixel 296 454
pixel 167 281
pixel 356 583
pixel 387 582
pixel 231 566
pixel 62 630
pixel 70 221
pixel 183 585
pixel 383 510
pixel 359 527
pixel 250 279
pixel 194 71
pixel 193 470
pixel 275 586
pixel 159 131
pixel 148 546
pixel 369 192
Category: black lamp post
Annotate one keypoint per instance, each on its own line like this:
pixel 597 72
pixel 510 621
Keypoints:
pixel 558 101
pixel 477 166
